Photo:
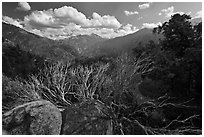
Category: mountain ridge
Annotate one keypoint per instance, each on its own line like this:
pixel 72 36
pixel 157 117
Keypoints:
pixel 36 44
pixel 82 42
pixel 125 43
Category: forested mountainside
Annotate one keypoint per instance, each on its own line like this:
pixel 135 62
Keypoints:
pixel 82 42
pixel 37 45
pixel 126 43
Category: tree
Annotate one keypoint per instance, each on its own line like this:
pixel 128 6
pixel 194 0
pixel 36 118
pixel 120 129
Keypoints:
pixel 181 55
pixel 198 35
pixel 178 33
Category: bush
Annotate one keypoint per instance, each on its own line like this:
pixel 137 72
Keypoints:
pixel 15 92
pixel 64 85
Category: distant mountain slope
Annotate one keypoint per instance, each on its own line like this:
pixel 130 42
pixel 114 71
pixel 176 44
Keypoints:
pixel 37 45
pixel 125 43
pixel 195 21
pixel 82 42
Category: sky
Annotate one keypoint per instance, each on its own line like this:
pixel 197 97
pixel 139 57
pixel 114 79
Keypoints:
pixel 58 20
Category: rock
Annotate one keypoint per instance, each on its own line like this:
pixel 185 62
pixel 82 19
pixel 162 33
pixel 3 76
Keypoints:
pixel 87 118
pixel 4 132
pixel 33 118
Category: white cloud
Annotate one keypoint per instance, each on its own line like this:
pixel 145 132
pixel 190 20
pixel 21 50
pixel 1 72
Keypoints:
pixel 198 14
pixel 160 14
pixel 61 17
pixel 127 29
pixel 169 12
pixel 140 18
pixel 103 32
pixel 105 21
pixel 56 33
pixel 56 18
pixel 69 14
pixel 37 32
pixel 12 21
pixel 74 30
pixel 24 6
pixel 110 33
pixel 151 25
pixel 128 13
pixel 67 21
pixel 144 6
pixel 41 19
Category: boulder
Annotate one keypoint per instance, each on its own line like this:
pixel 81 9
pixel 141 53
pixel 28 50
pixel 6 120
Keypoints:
pixel 33 118
pixel 87 118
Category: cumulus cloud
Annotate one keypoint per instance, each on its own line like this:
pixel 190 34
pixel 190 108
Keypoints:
pixel 56 33
pixel 57 18
pixel 105 21
pixel 198 14
pixel 128 13
pixel 67 21
pixel 151 25
pixel 130 28
pixel 42 19
pixel 144 6
pixel 169 12
pixel 106 32
pixel 74 30
pixel 123 30
pixel 68 14
pixel 12 21
pixel 24 6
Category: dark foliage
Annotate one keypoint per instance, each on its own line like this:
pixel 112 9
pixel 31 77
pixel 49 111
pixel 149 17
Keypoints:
pixel 19 63
pixel 180 57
